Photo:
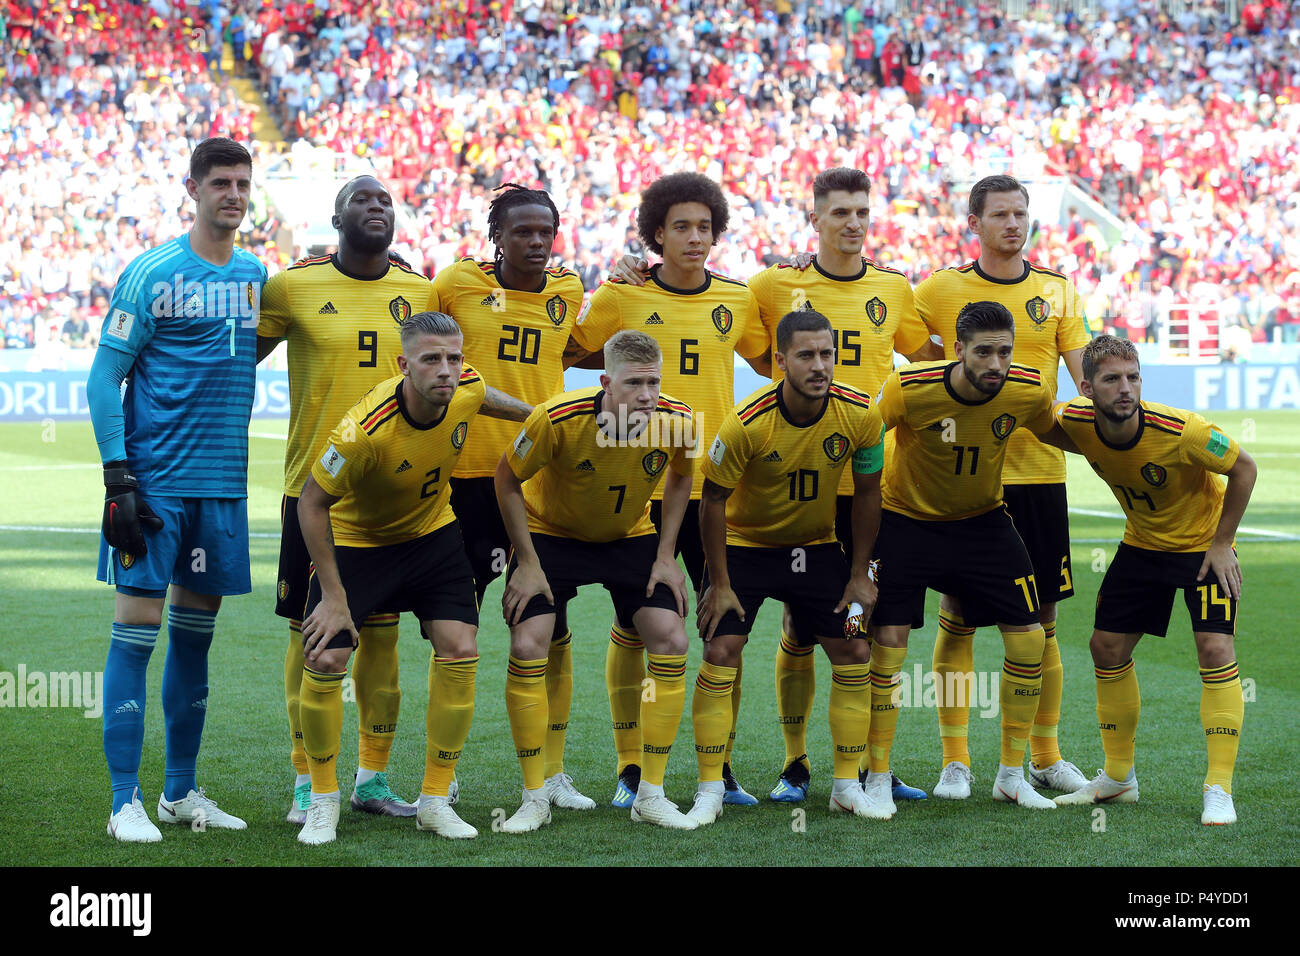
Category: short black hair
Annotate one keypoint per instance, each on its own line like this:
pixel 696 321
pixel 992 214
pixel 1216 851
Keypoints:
pixel 217 151
pixel 993 184
pixel 516 195
pixel 348 188
pixel 666 192
pixel 983 317
pixel 801 320
pixel 1103 347
pixel 840 178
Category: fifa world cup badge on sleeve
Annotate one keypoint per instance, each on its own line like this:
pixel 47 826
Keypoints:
pixel 332 461
pixel 523 445
pixel 716 451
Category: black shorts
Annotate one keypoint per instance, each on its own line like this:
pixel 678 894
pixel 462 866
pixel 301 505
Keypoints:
pixel 981 561
pixel 1137 594
pixel 622 567
pixel 1042 517
pixel 295 564
pixel 844 534
pixel 809 579
pixel 429 576
pixel 486 542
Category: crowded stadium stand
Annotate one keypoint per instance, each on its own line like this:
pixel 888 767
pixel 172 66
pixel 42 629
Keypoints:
pixel 1158 139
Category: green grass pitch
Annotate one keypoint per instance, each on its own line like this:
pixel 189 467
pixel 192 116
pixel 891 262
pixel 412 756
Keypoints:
pixel 54 788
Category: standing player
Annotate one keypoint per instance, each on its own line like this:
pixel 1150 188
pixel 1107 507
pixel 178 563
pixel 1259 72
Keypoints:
pixel 575 491
pixel 1160 463
pixel 943 526
pixel 701 320
pixel 517 316
pixel 379 488
pixel 181 327
pixel 873 316
pixel 341 315
pixel 767 520
pixel 1049 328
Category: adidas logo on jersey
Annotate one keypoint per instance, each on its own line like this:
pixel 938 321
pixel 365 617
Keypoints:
pixel 586 465
pixel 489 299
pixel 774 456
pixel 328 309
pixel 654 319
pixel 128 707
pixel 404 466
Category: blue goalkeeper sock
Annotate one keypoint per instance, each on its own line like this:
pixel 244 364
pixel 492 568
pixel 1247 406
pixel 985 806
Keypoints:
pixel 185 694
pixel 124 699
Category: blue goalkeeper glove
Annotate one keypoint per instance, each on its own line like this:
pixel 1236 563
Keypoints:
pixel 125 511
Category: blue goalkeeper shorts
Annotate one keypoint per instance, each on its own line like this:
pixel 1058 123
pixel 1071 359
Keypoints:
pixel 203 546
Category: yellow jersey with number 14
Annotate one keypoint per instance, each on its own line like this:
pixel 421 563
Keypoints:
pixel 1164 477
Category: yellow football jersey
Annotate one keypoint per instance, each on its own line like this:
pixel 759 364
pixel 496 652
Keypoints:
pixel 699 330
pixel 581 483
pixel 344 335
pixel 1163 478
pixel 946 460
pixel 389 472
pixel 1049 321
pixel 872 313
pixel 515 339
pixel 786 476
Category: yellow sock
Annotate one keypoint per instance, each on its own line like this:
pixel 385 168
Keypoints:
pixel 526 706
pixel 661 713
pixel 796 682
pixel 886 662
pixel 293 665
pixel 1118 707
pixel 379 698
pixel 1222 712
pixel 735 713
pixel 1022 681
pixel 954 672
pixel 1044 748
pixel 321 707
pixel 850 716
pixel 624 672
pixel 864 761
pixel 711 714
pixel 559 698
pixel 447 720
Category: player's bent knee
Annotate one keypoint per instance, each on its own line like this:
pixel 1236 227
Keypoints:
pixel 1109 649
pixel 1213 649
pixel 890 635
pixel 530 640
pixel 725 650
pixel 332 660
pixel 840 651
pixel 661 630
pixel 950 604
pixel 452 639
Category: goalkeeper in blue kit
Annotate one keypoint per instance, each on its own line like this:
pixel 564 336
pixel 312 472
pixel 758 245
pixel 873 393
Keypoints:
pixel 181 330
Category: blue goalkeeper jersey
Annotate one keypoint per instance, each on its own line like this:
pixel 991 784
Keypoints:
pixel 191 328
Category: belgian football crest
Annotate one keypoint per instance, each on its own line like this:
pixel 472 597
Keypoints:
pixel 1038 309
pixel 835 447
pixel 283 589
pixel 557 309
pixel 399 309
pixel 1003 426
pixel 722 319
pixel 654 462
pixel 1154 474
pixel 126 559
pixel 458 436
pixel 876 312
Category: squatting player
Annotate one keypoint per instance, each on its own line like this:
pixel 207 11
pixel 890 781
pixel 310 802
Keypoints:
pixel 1045 306
pixel 374 516
pixel 767 520
pixel 575 490
pixel 1160 463
pixel 701 320
pixel 341 316
pixel 181 327
pixel 517 315
pixel 943 526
